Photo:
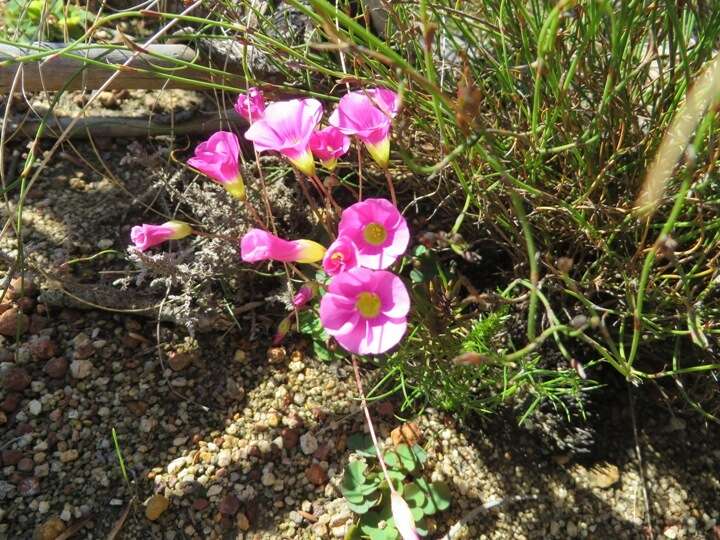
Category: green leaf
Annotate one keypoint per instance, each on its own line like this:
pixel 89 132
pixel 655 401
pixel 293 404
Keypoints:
pixel 421 527
pixel 362 444
pixel 391 459
pixel 417 514
pixel 407 458
pixel 414 496
pixel 420 453
pixel 378 525
pixel 441 494
pixel 437 496
pixel 366 503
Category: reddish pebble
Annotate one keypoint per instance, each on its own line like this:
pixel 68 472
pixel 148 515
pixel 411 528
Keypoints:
pixel 13 322
pixel 229 505
pixel 316 475
pixel 11 457
pixel 57 367
pixel 200 504
pixel 25 465
pixel 16 379
pixel 43 347
pixel 290 437
pixel 10 403
pixel 322 452
pixel 37 324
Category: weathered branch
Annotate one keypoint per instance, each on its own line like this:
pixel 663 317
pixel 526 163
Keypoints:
pixel 89 68
pixel 123 126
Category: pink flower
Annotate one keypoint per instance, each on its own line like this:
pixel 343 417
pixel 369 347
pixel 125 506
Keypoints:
pixel 251 106
pixel 342 255
pixel 258 245
pixel 385 99
pixel 365 310
pixel 402 516
pixel 328 145
pixel 378 230
pixel 217 158
pixel 146 236
pixel 306 293
pixel 368 115
pixel 286 127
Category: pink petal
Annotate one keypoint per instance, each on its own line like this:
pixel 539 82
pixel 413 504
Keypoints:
pixel 394 296
pixel 338 315
pixel 402 516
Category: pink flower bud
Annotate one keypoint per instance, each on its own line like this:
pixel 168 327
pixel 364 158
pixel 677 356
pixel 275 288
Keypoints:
pixel 217 158
pixel 404 521
pixel 146 236
pixel 258 245
pixel 283 329
pixel 251 106
pixel 306 293
pixel 368 115
pixel 328 145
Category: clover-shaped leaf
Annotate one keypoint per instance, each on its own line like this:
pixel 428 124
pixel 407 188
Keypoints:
pixel 391 459
pixel 408 460
pixel 379 525
pixel 355 485
pixel 414 496
pixel 365 503
pixel 437 496
pixel 361 444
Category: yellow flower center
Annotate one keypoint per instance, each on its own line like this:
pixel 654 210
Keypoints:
pixel 374 234
pixel 368 304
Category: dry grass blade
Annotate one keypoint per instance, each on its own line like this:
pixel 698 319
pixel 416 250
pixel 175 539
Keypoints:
pixel 117 527
pixel 675 141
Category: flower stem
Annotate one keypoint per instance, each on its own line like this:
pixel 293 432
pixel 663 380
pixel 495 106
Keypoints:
pixel 364 406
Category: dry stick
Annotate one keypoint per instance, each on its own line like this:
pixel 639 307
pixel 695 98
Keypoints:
pixel 391 187
pixel 313 206
pixel 364 406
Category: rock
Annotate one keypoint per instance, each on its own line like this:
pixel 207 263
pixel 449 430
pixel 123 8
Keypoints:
pixel 672 532
pixel 43 507
pixel 316 475
pixel 604 476
pixel 56 368
pixel 20 286
pixel 13 321
pixel 16 379
pixel 180 360
pixel 224 458
pixel 276 355
pixel 34 407
pixel 29 487
pixel 408 433
pixel 11 457
pixel 200 504
pixel 308 443
pixel 229 505
pixel 10 403
pixel 242 521
pixel 155 506
pixel 80 369
pixel 176 465
pixel 26 464
pixel 3 418
pixel 43 348
pixel 290 437
pixel 214 490
pixel 51 529
pixel 69 455
pixel 571 529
